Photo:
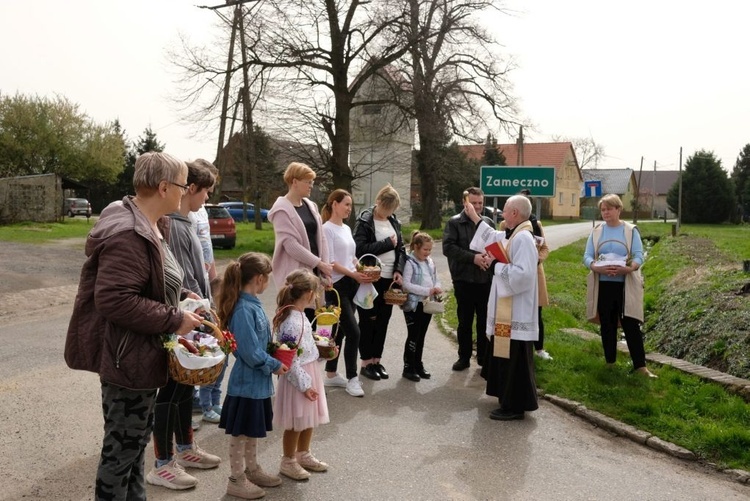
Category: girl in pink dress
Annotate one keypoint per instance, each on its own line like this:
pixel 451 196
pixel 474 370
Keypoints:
pixel 300 403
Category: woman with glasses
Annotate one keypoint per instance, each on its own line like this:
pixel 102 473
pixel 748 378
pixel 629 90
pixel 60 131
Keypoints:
pixel 298 228
pixel 127 298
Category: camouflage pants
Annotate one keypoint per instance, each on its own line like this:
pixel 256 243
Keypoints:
pixel 128 419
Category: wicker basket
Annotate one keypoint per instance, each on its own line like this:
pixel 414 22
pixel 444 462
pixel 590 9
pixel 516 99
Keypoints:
pixel 324 317
pixel 196 377
pixel 371 271
pixel 395 297
pixel 327 351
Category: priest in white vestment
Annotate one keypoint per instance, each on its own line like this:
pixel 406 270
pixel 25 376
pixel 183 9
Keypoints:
pixel 512 312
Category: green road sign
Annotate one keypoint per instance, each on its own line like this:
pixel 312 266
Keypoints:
pixel 510 180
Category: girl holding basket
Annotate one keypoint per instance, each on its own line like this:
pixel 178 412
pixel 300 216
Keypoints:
pixel 300 403
pixel 247 411
pixel 421 282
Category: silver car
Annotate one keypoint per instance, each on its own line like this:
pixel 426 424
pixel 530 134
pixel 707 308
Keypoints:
pixel 76 207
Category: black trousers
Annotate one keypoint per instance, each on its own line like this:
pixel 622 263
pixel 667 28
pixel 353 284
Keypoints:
pixel 373 323
pixel 173 415
pixel 471 301
pixel 347 328
pixel 611 307
pixel 417 322
pixel 539 344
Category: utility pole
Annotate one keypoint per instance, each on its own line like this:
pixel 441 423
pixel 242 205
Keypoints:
pixel 679 198
pixel 236 23
pixel 653 192
pixel 637 204
pixel 225 102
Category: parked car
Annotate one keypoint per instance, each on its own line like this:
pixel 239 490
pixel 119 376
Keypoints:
pixel 491 211
pixel 223 231
pixel 76 207
pixel 235 209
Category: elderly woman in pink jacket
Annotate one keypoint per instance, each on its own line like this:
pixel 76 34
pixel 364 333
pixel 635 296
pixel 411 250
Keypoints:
pixel 300 242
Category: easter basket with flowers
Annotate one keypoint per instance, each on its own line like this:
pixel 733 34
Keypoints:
pixel 285 345
pixel 198 358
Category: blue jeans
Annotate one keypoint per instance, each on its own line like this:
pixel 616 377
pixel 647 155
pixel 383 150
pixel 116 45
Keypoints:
pixel 210 394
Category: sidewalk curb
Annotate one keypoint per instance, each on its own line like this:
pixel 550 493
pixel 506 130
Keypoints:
pixel 733 384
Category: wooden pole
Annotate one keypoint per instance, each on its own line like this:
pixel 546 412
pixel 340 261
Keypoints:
pixel 679 197
pixel 225 104
pixel 637 204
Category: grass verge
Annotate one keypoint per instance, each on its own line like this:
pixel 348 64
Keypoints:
pixel 678 407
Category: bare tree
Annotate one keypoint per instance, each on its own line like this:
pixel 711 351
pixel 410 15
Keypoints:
pixel 588 152
pixel 321 53
pixel 458 82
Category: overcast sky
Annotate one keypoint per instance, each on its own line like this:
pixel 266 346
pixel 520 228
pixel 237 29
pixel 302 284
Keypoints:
pixel 642 78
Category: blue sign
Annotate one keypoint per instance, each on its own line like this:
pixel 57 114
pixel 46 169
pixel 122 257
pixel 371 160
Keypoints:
pixel 592 188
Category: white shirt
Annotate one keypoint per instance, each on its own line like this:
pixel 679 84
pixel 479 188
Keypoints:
pixel 341 247
pixel 199 219
pixel 383 230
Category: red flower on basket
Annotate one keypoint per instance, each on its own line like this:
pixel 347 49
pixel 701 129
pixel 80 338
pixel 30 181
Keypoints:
pixel 229 345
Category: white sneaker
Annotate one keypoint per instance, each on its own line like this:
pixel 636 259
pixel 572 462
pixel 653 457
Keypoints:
pixel 171 476
pixel 354 387
pixel 543 355
pixel 337 380
pixel 197 458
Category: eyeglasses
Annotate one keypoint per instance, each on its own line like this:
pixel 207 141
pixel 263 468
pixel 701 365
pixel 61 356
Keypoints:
pixel 183 187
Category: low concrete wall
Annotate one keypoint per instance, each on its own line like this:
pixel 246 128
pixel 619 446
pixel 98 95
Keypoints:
pixel 31 198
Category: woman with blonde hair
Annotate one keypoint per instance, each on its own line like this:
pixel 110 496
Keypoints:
pixel 378 232
pixel 298 229
pixel 614 296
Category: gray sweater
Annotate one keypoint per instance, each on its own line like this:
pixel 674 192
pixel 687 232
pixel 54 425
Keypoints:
pixel 186 247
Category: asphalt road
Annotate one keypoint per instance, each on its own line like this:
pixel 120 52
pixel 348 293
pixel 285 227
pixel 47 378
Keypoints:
pixel 426 441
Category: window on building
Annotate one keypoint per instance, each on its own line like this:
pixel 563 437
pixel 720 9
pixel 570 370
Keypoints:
pixel 573 199
pixel 372 109
pixel 560 199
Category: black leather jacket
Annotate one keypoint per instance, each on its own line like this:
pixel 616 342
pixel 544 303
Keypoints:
pixel 457 235
pixel 364 238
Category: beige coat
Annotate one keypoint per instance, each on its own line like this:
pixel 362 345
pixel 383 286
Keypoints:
pixel 543 250
pixel 633 283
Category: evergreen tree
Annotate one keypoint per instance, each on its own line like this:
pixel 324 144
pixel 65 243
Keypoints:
pixel 491 155
pixel 741 177
pixel 707 192
pixel 146 142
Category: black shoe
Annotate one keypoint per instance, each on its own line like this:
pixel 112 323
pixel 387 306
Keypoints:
pixel 370 372
pixel 423 373
pixel 411 375
pixel 461 365
pixel 505 415
pixel 381 371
